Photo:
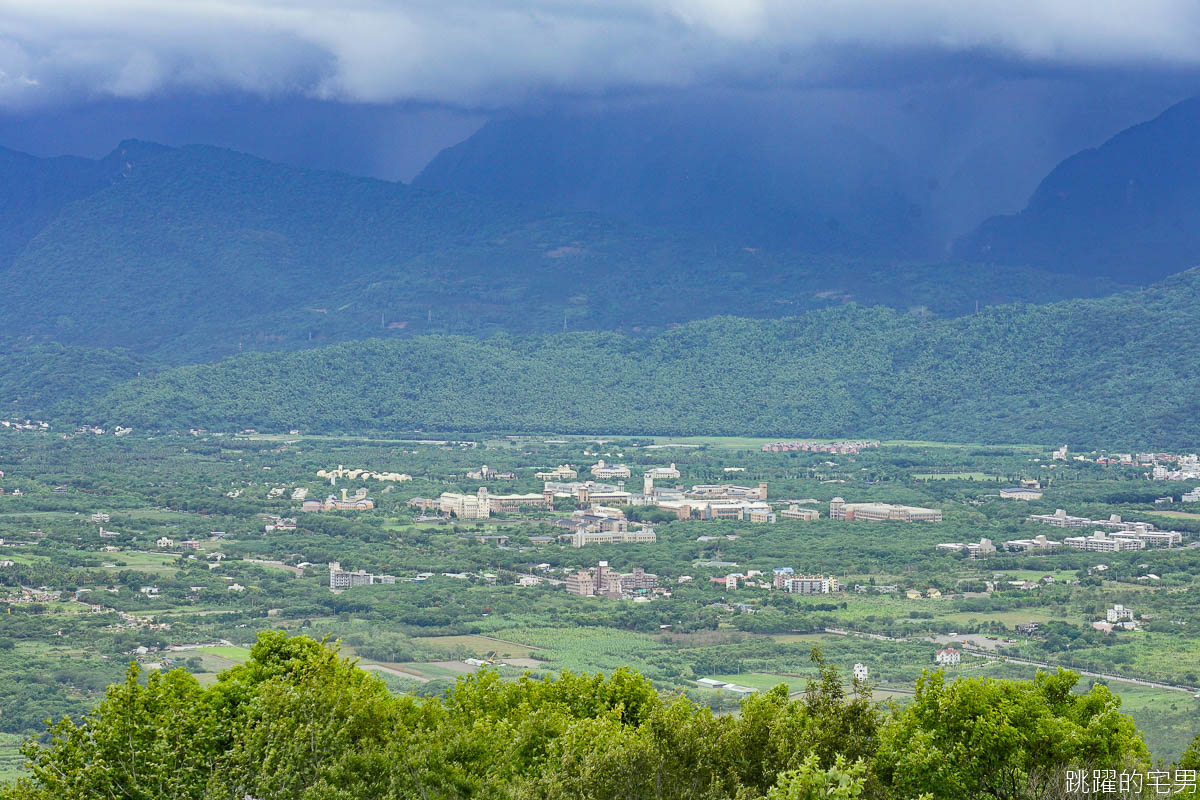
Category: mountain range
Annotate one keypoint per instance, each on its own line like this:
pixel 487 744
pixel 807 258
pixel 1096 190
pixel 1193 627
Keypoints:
pixel 194 253
pixel 685 282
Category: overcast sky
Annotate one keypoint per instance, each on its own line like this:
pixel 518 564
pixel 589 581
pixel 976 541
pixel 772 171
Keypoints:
pixel 378 87
pixel 490 53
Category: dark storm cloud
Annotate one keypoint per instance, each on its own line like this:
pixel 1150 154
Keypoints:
pixel 491 53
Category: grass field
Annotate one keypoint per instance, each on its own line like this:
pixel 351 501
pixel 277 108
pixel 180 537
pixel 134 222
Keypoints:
pixel 150 563
pixel 1174 514
pixel 432 671
pixel 1010 618
pixel 480 645
pixel 218 658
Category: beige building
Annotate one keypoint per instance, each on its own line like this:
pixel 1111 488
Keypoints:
pixel 583 537
pixel 512 503
pixel 800 513
pixel 563 472
pixel 603 472
pixel 839 509
pixel 466 506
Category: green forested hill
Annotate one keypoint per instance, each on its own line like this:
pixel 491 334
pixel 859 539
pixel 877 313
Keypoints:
pixel 1129 209
pixel 1123 369
pixel 197 253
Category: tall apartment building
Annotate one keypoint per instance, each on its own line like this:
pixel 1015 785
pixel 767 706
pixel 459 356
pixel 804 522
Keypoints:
pixel 811 584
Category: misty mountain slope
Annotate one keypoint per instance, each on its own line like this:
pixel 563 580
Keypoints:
pixel 1129 209
pixel 195 253
pixel 33 191
pixel 781 181
pixel 1060 372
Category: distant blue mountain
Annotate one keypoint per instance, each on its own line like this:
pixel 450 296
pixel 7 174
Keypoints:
pixel 1129 209
pixel 735 173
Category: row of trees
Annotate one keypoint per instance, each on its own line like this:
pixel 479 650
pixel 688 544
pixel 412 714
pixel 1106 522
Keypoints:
pixel 299 721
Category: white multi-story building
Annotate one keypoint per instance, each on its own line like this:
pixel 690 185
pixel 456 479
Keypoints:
pixel 340 579
pixel 973 550
pixel 948 657
pixel 1119 613
pixel 1060 519
pixel 1039 542
pixel 811 584
pixel 860 673
pixel 603 472
pixel 1099 542
pixel 1191 497
pixel 1152 538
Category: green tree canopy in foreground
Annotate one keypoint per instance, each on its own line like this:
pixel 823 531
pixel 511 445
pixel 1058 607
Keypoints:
pixel 299 721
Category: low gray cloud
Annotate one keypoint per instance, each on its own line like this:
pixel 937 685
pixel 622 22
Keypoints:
pixel 492 53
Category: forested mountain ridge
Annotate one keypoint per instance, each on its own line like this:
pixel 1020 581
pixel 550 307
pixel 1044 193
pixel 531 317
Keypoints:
pixel 195 253
pixel 1129 209
pixel 1120 369
pixel 785 181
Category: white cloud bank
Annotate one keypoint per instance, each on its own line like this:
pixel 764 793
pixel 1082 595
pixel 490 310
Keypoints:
pixel 485 53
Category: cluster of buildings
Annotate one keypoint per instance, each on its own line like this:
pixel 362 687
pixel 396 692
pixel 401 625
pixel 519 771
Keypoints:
pixel 1036 544
pixel 839 509
pixel 836 448
pixel 603 581
pixel 1117 618
pixel 486 473
pixel 1117 534
pixel 27 425
pixel 276 523
pixel 482 504
pixel 332 475
pixel 972 550
pixel 1061 519
pixel 704 501
pixel 341 579
pixel 359 502
pixel 786 579
pixel 1191 497
pixel 1188 469
pixel 563 472
pixel 606 472
pixel 603 525
pixel 1101 542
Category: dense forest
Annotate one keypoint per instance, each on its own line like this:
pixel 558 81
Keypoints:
pixel 298 721
pixel 197 253
pixel 1114 371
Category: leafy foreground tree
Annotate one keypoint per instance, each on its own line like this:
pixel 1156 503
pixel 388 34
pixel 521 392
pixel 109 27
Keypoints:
pixel 297 721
